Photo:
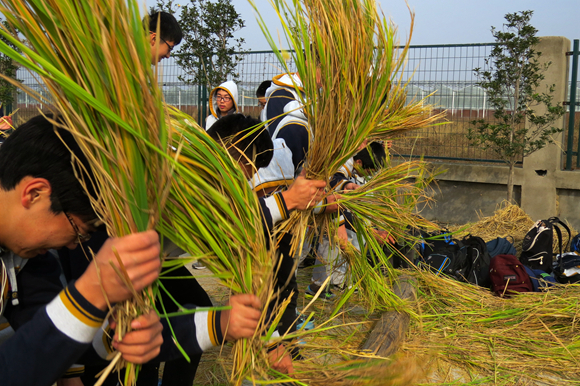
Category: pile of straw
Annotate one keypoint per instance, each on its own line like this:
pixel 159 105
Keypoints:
pixel 508 220
pixel 482 338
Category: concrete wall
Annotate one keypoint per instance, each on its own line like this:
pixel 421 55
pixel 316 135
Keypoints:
pixel 541 188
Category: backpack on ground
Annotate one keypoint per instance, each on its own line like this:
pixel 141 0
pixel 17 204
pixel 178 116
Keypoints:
pixel 575 244
pixel 540 279
pixel 442 254
pixel 501 246
pixel 477 260
pixel 537 247
pixel 567 271
pixel 508 276
pixel 403 256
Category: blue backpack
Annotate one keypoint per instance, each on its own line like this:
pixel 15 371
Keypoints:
pixel 442 254
pixel 540 279
pixel 500 246
pixel 575 244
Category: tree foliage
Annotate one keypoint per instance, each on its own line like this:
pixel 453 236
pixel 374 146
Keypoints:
pixel 512 82
pixel 209 52
pixel 7 68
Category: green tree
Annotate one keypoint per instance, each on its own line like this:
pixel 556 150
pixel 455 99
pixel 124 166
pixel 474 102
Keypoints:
pixel 209 52
pixel 7 68
pixel 511 80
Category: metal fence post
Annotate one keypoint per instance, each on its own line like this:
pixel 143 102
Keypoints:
pixel 572 115
pixel 204 103
pixel 199 102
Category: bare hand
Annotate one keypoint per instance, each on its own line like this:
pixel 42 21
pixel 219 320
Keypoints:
pixel 281 361
pixel 303 193
pixel 144 342
pixel 351 186
pixel 242 319
pixel 139 253
pixel 5 123
pixel 383 236
pixel 342 237
pixel 363 145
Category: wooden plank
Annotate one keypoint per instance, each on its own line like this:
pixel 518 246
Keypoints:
pixel 389 331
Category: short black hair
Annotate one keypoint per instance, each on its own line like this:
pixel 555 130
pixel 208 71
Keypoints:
pixel 375 161
pixel 36 150
pixel 169 28
pixel 240 130
pixel 261 91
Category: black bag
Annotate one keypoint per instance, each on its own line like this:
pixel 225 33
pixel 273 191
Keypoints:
pixel 568 269
pixel 537 247
pixel 501 246
pixel 403 256
pixel 508 276
pixel 440 253
pixel 477 261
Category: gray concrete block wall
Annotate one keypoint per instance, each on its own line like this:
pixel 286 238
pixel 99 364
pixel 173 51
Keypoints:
pixel 541 187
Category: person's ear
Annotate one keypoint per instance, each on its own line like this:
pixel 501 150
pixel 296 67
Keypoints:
pixel 358 162
pixel 152 36
pixel 34 190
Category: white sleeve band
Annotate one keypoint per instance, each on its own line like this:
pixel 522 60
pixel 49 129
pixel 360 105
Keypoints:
pixel 101 339
pixel 71 319
pixel 203 329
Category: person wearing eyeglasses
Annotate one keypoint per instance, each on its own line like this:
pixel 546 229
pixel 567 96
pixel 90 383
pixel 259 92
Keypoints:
pixel 44 207
pixel 170 35
pixel 224 101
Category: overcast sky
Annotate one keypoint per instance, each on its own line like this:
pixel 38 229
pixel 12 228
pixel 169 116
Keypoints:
pixel 440 21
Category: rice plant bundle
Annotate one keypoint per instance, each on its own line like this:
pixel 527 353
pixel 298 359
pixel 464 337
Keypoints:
pixel 212 213
pixel 393 190
pixel 94 59
pixel 354 89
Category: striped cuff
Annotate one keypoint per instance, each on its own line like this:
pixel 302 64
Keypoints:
pixel 74 316
pixel 103 341
pixel 208 329
pixel 320 208
pixel 341 184
pixel 74 371
pixel 277 207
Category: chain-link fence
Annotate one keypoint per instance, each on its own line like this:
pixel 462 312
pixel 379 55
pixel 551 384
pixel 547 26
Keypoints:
pixel 443 74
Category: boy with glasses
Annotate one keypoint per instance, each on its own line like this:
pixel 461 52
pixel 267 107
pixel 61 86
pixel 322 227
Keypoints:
pixel 45 207
pixel 170 35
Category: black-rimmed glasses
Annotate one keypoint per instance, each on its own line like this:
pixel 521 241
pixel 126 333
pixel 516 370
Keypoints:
pixel 80 237
pixel 168 45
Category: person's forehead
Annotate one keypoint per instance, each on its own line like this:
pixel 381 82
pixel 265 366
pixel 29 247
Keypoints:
pixel 222 92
